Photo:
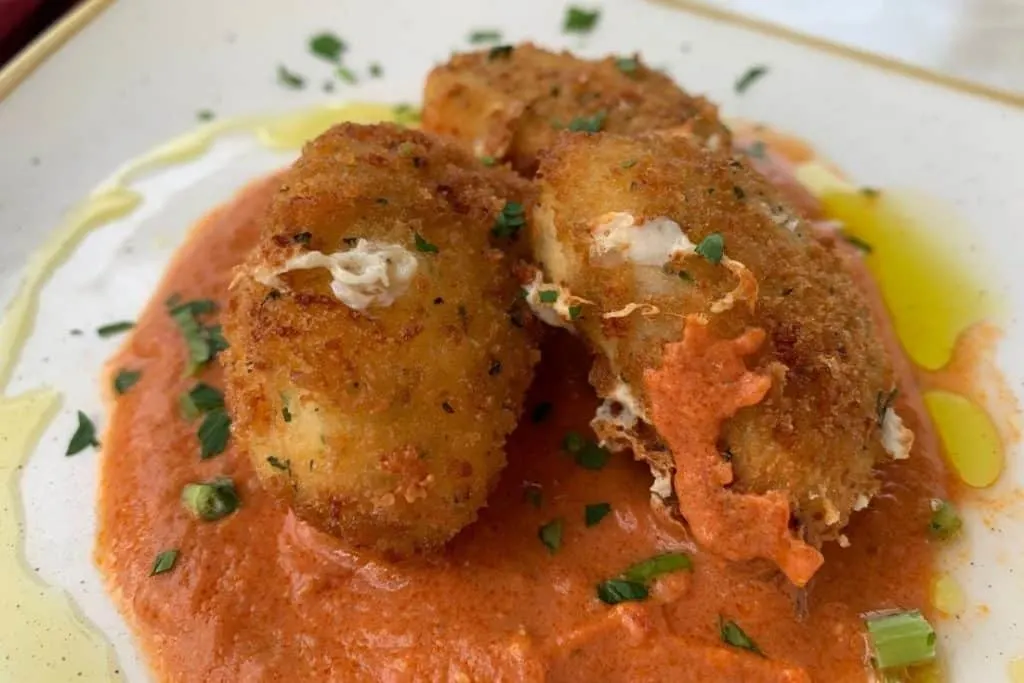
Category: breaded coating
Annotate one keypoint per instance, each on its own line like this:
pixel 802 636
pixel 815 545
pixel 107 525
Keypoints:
pixel 510 103
pixel 378 358
pixel 650 235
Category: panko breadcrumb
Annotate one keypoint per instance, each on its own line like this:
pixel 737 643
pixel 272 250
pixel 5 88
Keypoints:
pixel 378 354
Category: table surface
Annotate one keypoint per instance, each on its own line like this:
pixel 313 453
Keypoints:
pixel 981 41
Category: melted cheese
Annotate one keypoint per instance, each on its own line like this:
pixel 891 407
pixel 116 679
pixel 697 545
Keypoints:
pixel 555 313
pixel 896 438
pixel 369 274
pixel 653 243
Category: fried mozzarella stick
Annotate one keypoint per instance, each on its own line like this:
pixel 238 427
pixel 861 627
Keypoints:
pixel 509 103
pixel 375 369
pixel 733 351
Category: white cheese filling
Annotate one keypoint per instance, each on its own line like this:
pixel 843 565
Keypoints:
pixel 896 438
pixel 369 274
pixel 556 313
pixel 620 408
pixel 653 243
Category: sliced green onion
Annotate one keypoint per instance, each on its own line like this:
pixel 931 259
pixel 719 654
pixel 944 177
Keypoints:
pixel 210 500
pixel 945 522
pixel 900 639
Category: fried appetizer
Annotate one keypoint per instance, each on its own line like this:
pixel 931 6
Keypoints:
pixel 733 351
pixel 375 369
pixel 510 103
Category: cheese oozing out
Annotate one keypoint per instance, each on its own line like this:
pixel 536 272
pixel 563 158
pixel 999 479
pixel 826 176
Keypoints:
pixel 369 274
pixel 896 438
pixel 653 243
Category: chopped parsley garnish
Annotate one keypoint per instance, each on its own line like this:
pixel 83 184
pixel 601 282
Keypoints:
pixel 627 65
pixel 945 522
pixel 548 296
pixel 485 36
pixel 870 192
pixel 614 591
pixel 302 237
pixel 423 245
pixel 665 563
pixel 511 219
pixel 575 311
pixel 210 500
pixel 110 329
pixel 164 562
pixel 327 46
pixel 550 534
pixel 204 342
pixel 279 464
pixel 749 77
pixel 289 79
pixel 884 401
pixel 592 456
pixel 588 124
pixel 213 433
pixel 628 163
pixel 84 436
pixel 712 248
pixel 205 398
pixel 204 115
pixel 286 414
pixel 125 380
pixel 592 514
pixel 488 160
pixel 757 149
pixel 346 74
pixel 580 20
pixel 532 493
pixel 732 634
pixel 376 70
pixel 500 52
pixel 541 412
pixel 857 242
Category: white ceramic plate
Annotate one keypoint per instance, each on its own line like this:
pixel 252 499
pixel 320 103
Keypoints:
pixel 136 75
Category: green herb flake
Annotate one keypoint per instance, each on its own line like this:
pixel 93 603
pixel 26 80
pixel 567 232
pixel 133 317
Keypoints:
pixel 346 74
pixel 423 245
pixel 857 242
pixel 712 248
pixel 205 115
pixel 870 192
pixel 485 36
pixel 614 591
pixel 594 513
pixel 84 436
pixel 732 634
pixel 627 65
pixel 286 414
pixel 375 70
pixel 111 329
pixel 125 380
pixel 666 563
pixel 628 163
pixel 749 77
pixel 685 276
pixel 406 114
pixel 164 562
pixel 575 311
pixel 203 342
pixel 327 46
pixel 541 411
pixel 588 124
pixel 213 433
pixel 945 523
pixel 279 464
pixel 548 296
pixel 488 161
pixel 205 398
pixel 757 150
pixel 510 221
pixel 580 20
pixel 550 534
pixel 592 457
pixel 289 79
pixel 210 500
pixel 573 443
pixel 533 494
pixel 499 52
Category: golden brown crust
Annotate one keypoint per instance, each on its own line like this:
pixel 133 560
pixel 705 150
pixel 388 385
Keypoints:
pixel 387 425
pixel 511 107
pixel 816 434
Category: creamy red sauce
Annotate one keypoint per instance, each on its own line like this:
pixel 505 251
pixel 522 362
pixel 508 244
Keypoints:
pixel 258 596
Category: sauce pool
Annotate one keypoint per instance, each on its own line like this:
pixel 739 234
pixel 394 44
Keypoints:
pixel 258 596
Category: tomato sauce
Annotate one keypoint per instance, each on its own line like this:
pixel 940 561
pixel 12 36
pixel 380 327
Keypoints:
pixel 259 596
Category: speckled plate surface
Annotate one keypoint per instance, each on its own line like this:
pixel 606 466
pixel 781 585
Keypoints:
pixel 136 75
